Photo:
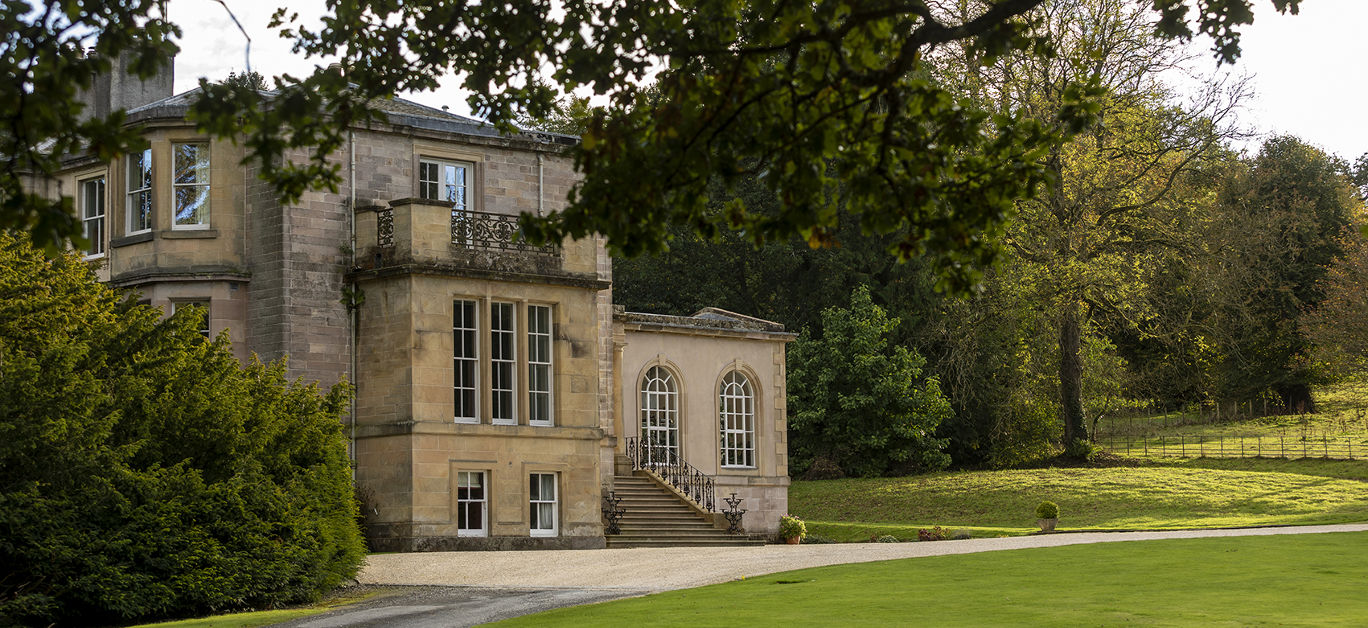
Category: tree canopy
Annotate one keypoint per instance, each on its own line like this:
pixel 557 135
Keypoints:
pixel 795 93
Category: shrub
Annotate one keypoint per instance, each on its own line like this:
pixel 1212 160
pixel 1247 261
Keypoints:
pixel 1047 510
pixel 143 472
pixel 860 402
pixel 791 527
pixel 817 539
pixel 934 534
pixel 960 535
pixel 1079 449
pixel 887 538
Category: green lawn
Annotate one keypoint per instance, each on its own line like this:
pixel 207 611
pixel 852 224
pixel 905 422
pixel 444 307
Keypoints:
pixel 239 620
pixel 1339 429
pixel 1308 580
pixel 251 619
pixel 1188 494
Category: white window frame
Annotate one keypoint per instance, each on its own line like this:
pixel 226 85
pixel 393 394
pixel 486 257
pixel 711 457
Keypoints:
pixel 539 505
pixel 503 363
pixel 93 227
pixel 660 415
pixel 204 303
pixel 464 500
pixel 540 370
pixel 465 331
pixel 446 180
pixel 139 194
pixel 736 421
pixel 200 182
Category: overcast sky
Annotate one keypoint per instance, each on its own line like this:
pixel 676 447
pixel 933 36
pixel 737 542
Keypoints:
pixel 1308 70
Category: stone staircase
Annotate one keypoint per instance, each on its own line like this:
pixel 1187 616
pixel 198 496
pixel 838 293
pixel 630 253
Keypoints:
pixel 656 517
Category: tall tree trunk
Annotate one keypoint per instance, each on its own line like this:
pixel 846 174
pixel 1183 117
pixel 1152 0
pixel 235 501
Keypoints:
pixel 1071 375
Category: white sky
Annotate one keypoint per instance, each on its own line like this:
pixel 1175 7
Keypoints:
pixel 1308 70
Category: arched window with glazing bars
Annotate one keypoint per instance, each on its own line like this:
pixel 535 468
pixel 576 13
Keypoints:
pixel 660 416
pixel 736 418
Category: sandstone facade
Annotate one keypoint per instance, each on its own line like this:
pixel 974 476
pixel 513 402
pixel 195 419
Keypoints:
pixel 496 388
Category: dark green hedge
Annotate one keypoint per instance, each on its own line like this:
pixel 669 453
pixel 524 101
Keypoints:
pixel 143 472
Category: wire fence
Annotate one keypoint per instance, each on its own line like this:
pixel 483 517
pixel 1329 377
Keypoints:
pixel 1344 439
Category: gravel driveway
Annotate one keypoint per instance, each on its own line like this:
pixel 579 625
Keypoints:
pixel 661 569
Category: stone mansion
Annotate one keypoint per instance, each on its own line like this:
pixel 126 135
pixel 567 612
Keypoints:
pixel 500 395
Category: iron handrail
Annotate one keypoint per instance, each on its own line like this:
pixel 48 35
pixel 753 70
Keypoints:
pixel 666 463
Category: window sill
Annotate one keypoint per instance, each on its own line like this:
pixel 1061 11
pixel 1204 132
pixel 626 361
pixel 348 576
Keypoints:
pixel 190 234
pixel 544 534
pixel 132 238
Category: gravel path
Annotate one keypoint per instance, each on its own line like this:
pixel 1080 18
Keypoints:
pixel 661 569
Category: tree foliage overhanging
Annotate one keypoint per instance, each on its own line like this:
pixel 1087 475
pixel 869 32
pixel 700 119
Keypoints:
pixel 143 472
pixel 1160 267
pixel 793 93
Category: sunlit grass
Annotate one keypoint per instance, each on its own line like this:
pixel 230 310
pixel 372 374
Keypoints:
pixel 1152 498
pixel 1338 429
pixel 343 597
pixel 1313 579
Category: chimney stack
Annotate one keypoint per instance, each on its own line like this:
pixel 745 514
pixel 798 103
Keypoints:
pixel 117 89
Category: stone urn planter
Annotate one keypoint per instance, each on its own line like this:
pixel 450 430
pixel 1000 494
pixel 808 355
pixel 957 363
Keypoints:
pixel 1047 515
pixel 792 529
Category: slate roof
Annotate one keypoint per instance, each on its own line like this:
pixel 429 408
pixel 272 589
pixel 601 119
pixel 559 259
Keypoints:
pixel 400 111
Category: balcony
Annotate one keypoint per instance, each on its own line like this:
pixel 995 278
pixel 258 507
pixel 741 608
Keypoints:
pixel 418 235
pixel 471 230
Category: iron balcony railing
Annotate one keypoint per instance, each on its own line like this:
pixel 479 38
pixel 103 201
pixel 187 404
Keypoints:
pixel 492 232
pixel 665 462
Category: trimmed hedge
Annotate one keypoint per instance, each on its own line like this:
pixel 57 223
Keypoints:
pixel 143 473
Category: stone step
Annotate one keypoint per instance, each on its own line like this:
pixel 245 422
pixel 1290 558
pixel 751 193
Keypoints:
pixel 692 522
pixel 660 513
pixel 654 516
pixel 621 540
pixel 673 531
pixel 647 502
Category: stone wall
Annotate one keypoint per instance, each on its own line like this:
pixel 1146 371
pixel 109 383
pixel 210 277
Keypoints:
pixel 699 352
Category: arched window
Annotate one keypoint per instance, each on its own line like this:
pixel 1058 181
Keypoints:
pixel 736 414
pixel 660 416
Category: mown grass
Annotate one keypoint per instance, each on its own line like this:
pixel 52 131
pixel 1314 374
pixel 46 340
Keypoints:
pixel 239 620
pixel 1162 496
pixel 1304 580
pixel 1339 429
pixel 251 619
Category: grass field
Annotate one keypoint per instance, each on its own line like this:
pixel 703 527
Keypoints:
pixel 1180 494
pixel 239 620
pixel 1339 429
pixel 252 619
pixel 1305 580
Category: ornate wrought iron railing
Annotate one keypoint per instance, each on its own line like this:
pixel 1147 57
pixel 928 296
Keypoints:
pixel 734 512
pixel 384 227
pixel 495 232
pixel 665 462
pixel 613 513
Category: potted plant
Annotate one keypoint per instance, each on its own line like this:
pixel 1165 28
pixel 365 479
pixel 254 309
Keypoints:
pixel 792 529
pixel 1047 515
